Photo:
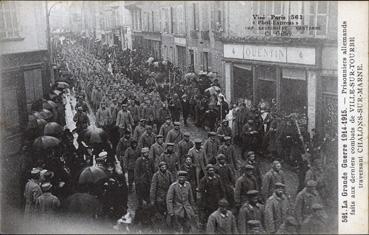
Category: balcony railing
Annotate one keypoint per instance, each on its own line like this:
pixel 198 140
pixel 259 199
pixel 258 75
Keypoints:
pixel 194 34
pixel 205 35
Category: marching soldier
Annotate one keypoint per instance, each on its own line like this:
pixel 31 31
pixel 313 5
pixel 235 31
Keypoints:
pixel 180 204
pixel 246 182
pixel 144 170
pixel 183 147
pixel 251 210
pixel 31 192
pixel 170 158
pixel 276 209
pixel 222 220
pixel 273 176
pixel 211 148
pixel 156 150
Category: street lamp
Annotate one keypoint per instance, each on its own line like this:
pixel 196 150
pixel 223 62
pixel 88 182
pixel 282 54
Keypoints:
pixel 49 47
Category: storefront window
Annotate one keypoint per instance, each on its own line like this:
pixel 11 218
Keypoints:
pixel 293 96
pixel 266 85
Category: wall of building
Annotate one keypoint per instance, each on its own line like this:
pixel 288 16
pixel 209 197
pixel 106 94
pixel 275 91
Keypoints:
pixel 32 22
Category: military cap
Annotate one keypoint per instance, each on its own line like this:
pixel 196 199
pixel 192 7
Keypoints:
pixel 227 138
pixel 80 108
pixel 159 136
pixel 162 163
pixel 184 96
pixel 249 153
pixel 279 185
pixel 142 120
pixel 182 173
pixel 253 223
pixel 46 186
pixel 145 150
pixel 186 134
pixel 221 156
pixel 209 166
pixel 124 105
pixel 35 171
pixel 198 141
pixel 103 155
pixel 311 183
pixel 148 127
pixel 170 144
pixel 252 192
pixel 317 206
pixel 224 120
pixel 212 133
pixel 177 123
pixel 223 202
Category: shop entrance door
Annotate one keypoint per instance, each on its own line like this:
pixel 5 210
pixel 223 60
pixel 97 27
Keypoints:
pixel 242 82
pixel 293 95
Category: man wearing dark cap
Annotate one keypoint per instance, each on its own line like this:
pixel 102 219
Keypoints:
pixel 166 127
pixel 317 222
pixel 222 220
pixel 147 138
pixel 289 226
pixel 139 130
pixel 190 168
pixel 224 129
pixel 226 174
pixel 211 190
pixel 31 192
pixel 249 136
pixel 273 176
pixel 81 119
pixel 247 181
pixel 276 209
pixel 305 200
pixel 211 148
pixel 128 163
pixel 123 145
pixel 175 135
pixel 186 108
pixel 229 152
pixel 251 160
pixel 170 158
pixel 180 203
pixel 251 210
pixel 197 154
pixel 144 170
pixel 183 147
pixel 156 150
pixel 124 119
pixel 160 183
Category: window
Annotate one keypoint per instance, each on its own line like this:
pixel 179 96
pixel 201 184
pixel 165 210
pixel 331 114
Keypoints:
pixel 166 19
pixel 180 20
pixel 268 8
pixel 173 17
pixel 205 61
pixel 9 27
pixel 195 16
pixel 152 21
pixel 316 14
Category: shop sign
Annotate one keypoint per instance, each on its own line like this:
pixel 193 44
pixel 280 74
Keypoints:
pixel 293 55
pixel 180 41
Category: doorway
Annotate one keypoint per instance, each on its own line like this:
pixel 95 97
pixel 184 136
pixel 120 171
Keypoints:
pixel 242 82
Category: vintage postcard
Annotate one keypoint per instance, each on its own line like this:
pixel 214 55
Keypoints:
pixel 171 117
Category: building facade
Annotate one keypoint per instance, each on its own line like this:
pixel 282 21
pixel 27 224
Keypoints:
pixel 296 66
pixel 24 66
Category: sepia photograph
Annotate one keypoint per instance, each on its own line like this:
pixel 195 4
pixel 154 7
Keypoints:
pixel 169 117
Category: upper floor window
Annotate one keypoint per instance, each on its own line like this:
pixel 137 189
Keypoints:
pixel 316 14
pixel 9 27
pixel 195 16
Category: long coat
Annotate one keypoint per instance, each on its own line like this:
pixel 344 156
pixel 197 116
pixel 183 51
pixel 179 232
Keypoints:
pixel 171 160
pixel 146 140
pixel 103 117
pixel 130 157
pixel 230 154
pixel 249 212
pixel 139 130
pixel 159 186
pixel 180 200
pixel 270 179
pixel 155 151
pixel 212 190
pixel 164 129
pixel 183 148
pixel 211 150
pixel 124 120
pixel 174 136
pixel 31 192
pixel 199 161
pixel 221 224
pixel 276 209
pixel 244 184
pixel 304 202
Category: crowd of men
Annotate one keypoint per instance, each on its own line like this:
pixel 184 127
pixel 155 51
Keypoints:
pixel 181 184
